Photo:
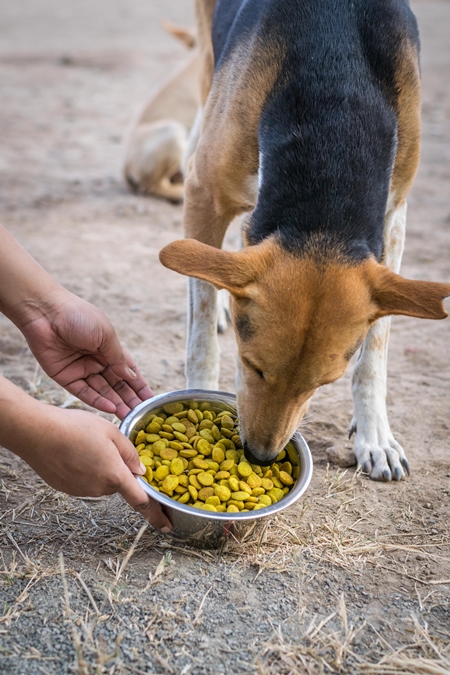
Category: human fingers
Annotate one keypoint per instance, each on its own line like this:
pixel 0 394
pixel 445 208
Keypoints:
pixel 139 500
pixel 129 394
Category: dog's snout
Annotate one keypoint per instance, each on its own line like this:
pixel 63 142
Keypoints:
pixel 251 457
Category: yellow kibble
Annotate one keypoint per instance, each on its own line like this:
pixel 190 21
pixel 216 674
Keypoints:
pixel 234 502
pixel 176 445
pixel 222 492
pixel 207 507
pixel 204 446
pixel 239 496
pixel 178 426
pixel 140 438
pixel 205 493
pixel 146 461
pixel 226 464
pixel 245 487
pixel 169 454
pixel 194 481
pixel 253 480
pixel 256 492
pixel 205 479
pixel 177 466
pixel 244 469
pixel 172 408
pixel 161 472
pixel 218 454
pixel 199 463
pixel 227 422
pixel 286 466
pixel 193 492
pixel 192 416
pixel 286 478
pixel 153 428
pixel 181 437
pixel 207 436
pixel 146 452
pixel 188 453
pixel 232 454
pixel 170 482
pixel 194 455
pixel 152 438
pixel 276 494
pixel 234 483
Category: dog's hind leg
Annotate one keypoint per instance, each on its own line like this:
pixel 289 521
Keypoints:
pixel 377 452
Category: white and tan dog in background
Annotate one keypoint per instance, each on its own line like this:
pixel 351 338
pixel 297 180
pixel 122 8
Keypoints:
pixel 158 139
pixel 311 124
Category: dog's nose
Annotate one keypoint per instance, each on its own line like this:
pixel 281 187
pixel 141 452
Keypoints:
pixel 253 459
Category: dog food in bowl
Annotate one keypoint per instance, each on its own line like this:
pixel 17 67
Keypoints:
pixel 193 454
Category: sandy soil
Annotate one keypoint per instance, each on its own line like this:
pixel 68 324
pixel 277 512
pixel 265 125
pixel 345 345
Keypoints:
pixel 354 572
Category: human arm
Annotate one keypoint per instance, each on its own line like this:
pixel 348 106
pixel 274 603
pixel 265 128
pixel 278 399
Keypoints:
pixel 73 341
pixel 74 451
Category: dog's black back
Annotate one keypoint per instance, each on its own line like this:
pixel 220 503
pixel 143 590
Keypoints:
pixel 328 130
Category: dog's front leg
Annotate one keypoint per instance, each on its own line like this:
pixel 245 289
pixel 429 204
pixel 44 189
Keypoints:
pixel 377 452
pixel 203 352
pixel 204 223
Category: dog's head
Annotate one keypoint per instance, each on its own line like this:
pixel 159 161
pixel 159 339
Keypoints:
pixel 297 323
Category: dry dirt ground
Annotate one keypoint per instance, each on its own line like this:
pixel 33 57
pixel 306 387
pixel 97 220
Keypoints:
pixel 353 579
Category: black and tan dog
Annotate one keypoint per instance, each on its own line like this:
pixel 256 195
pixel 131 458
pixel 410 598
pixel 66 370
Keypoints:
pixel 311 122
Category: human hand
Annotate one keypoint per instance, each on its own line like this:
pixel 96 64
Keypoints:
pixel 84 455
pixel 77 346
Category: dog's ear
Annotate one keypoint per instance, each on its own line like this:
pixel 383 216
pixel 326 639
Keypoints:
pixel 223 269
pixel 393 294
pixel 185 35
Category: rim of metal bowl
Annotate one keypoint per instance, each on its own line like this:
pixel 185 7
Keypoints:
pixel 223 399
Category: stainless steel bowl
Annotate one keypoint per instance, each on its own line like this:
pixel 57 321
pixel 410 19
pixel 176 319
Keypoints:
pixel 205 528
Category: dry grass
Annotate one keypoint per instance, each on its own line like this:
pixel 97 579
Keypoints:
pixel 328 646
pixel 93 546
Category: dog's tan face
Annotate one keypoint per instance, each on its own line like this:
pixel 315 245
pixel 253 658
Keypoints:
pixel 297 331
pixel 297 324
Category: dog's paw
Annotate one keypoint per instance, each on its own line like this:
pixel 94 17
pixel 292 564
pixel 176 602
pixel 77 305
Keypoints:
pixel 378 454
pixel 223 311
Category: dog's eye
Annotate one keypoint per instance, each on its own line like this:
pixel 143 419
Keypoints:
pixel 250 365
